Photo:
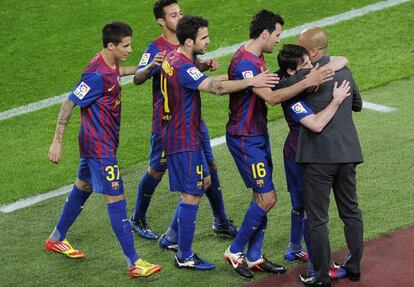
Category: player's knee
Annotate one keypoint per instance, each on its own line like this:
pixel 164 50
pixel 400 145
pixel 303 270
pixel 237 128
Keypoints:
pixel 207 182
pixel 155 173
pixel 82 185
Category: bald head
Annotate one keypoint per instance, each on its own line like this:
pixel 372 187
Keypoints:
pixel 315 41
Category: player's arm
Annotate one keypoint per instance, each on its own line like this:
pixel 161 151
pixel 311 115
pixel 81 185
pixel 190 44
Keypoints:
pixel 220 78
pixel 317 122
pixel 315 78
pixel 125 71
pixel 144 73
pixel 264 79
pixel 207 65
pixel 55 150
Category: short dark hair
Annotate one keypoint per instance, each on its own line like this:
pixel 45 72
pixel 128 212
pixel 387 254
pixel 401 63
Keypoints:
pixel 187 27
pixel 290 57
pixel 114 32
pixel 159 7
pixel 264 19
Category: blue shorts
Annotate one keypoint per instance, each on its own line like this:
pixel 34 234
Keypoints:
pixel 157 160
pixel 186 171
pixel 205 142
pixel 294 181
pixel 254 160
pixel 103 174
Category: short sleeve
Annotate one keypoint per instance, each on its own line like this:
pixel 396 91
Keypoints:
pixel 88 90
pixel 299 110
pixel 190 77
pixel 245 70
pixel 147 57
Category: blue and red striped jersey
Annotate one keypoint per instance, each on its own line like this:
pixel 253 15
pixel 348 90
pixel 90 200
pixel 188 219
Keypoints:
pixel 294 110
pixel 247 111
pixel 180 79
pixel 159 45
pixel 98 93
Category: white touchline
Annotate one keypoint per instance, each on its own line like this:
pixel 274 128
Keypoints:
pixel 378 108
pixel 219 52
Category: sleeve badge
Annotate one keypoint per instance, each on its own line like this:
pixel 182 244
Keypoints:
pixel 81 90
pixel 194 73
pixel 247 74
pixel 298 108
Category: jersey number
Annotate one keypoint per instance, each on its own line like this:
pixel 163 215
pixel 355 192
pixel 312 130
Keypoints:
pixel 258 170
pixel 113 172
pixel 167 113
pixel 199 169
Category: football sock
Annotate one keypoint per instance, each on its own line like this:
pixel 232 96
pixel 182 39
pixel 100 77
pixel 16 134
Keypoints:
pixel 215 198
pixel 306 237
pixel 251 223
pixel 187 216
pixel 296 230
pixel 72 208
pixel 254 251
pixel 172 231
pixel 146 189
pixel 122 229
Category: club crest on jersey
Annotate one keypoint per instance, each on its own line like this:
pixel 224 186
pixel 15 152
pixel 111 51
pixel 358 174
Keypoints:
pixel 247 74
pixel 144 59
pixel 115 185
pixel 194 73
pixel 298 108
pixel 81 90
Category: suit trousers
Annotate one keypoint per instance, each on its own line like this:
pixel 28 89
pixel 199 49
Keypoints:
pixel 318 181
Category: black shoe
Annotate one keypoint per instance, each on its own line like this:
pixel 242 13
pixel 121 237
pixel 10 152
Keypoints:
pixel 267 266
pixel 312 281
pixel 227 229
pixel 142 228
pixel 238 263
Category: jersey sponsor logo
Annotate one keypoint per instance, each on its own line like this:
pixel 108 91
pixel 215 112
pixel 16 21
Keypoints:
pixel 247 74
pixel 194 73
pixel 167 68
pixel 298 108
pixel 81 90
pixel 144 59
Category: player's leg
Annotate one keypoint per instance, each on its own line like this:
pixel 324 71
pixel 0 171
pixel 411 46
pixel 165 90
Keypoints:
pixel 169 240
pixel 187 177
pixel 294 180
pixel 73 207
pixel 221 223
pixel 146 188
pixel 347 202
pixel 107 179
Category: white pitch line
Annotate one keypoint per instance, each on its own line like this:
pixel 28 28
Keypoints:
pixel 219 52
pixel 35 199
pixel 378 108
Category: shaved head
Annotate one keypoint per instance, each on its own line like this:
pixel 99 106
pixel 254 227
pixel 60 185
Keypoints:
pixel 314 39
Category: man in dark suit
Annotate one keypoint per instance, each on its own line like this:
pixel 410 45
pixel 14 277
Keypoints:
pixel 329 159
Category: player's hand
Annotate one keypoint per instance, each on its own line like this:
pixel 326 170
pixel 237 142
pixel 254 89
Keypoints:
pixel 158 59
pixel 342 92
pixel 55 152
pixel 265 79
pixel 212 64
pixel 318 76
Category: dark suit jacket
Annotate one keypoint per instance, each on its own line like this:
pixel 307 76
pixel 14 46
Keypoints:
pixel 338 142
